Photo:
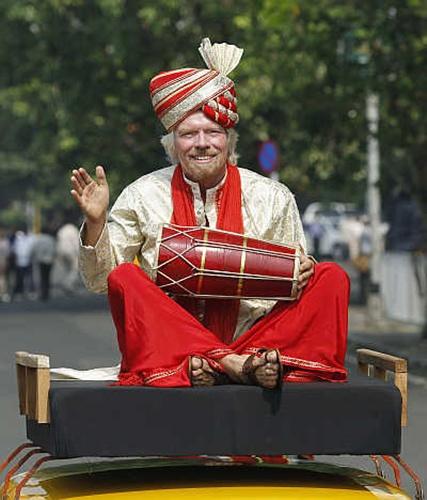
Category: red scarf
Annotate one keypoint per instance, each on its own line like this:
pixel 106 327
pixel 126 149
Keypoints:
pixel 220 314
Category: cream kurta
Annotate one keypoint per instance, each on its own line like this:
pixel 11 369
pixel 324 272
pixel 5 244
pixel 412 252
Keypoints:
pixel 269 212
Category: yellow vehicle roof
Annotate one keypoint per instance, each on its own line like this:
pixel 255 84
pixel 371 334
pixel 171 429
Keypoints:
pixel 171 479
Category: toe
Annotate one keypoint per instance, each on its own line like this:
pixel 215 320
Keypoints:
pixel 202 374
pixel 271 357
pixel 271 370
pixel 268 373
pixel 259 361
pixel 196 363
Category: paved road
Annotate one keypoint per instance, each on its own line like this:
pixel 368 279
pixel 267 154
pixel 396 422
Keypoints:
pixel 78 332
pixel 75 332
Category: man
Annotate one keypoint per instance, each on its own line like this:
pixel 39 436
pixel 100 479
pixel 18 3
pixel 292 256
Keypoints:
pixel 4 260
pixel 166 343
pixel 316 231
pixel 44 254
pixel 22 249
pixel 68 255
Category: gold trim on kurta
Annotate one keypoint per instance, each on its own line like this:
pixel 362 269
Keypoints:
pixel 146 204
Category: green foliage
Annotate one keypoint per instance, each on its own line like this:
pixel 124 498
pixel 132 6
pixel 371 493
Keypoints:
pixel 75 74
pixel 13 217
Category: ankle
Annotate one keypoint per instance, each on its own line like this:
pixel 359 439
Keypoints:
pixel 232 365
pixel 232 361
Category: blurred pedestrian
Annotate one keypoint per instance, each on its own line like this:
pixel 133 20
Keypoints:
pixel 352 228
pixel 407 230
pixel 362 262
pixel 23 251
pixel 4 260
pixel 316 231
pixel 44 253
pixel 11 262
pixel 68 247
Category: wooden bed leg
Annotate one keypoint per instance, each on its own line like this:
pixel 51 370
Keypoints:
pixel 378 364
pixel 33 385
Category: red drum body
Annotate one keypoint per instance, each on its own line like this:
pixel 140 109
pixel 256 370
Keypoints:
pixel 203 262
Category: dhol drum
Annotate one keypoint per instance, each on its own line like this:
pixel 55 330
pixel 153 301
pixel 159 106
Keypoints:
pixel 209 263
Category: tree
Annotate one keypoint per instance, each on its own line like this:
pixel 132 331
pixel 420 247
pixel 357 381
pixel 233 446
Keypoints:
pixel 73 88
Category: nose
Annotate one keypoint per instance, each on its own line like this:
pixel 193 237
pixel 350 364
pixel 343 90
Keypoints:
pixel 201 140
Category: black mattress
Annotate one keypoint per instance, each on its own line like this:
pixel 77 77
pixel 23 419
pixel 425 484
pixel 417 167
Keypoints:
pixel 94 419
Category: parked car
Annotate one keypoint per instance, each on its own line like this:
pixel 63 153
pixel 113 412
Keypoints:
pixel 332 243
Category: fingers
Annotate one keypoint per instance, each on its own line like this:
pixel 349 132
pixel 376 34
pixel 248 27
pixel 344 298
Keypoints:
pixel 81 178
pixel 306 271
pixel 100 175
pixel 306 268
pixel 303 280
pixel 76 184
pixel 302 283
pixel 305 263
pixel 77 197
pixel 303 277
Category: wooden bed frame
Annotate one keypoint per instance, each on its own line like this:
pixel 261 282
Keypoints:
pixel 34 380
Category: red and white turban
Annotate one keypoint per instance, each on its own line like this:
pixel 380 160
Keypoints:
pixel 178 93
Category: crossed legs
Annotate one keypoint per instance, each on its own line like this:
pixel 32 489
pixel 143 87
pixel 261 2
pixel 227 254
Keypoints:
pixel 163 345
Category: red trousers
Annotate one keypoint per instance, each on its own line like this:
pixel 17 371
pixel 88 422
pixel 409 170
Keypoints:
pixel 157 336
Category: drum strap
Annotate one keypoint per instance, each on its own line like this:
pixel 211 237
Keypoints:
pixel 220 314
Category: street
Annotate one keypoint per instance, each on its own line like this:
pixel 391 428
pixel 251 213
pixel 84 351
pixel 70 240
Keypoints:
pixel 78 332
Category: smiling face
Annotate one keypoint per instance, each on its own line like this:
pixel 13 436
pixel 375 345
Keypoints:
pixel 201 147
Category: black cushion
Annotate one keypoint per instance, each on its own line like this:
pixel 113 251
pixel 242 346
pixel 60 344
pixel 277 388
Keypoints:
pixel 94 419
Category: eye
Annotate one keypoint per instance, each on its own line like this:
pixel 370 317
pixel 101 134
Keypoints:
pixel 186 135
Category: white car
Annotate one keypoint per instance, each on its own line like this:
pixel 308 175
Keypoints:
pixel 332 210
pixel 333 243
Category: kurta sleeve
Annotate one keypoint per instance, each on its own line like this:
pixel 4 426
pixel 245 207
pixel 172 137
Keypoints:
pixel 120 241
pixel 287 220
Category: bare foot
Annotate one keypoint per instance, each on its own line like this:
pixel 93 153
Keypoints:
pixel 201 374
pixel 233 364
pixel 263 370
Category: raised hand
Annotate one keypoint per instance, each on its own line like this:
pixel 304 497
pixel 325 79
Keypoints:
pixel 91 195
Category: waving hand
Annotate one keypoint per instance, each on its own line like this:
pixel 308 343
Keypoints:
pixel 92 196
